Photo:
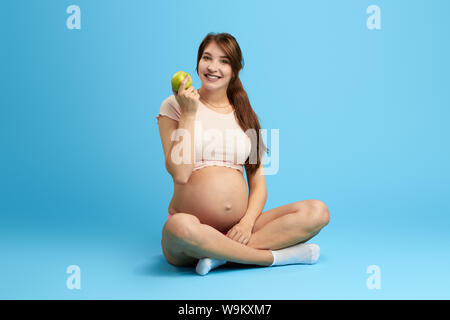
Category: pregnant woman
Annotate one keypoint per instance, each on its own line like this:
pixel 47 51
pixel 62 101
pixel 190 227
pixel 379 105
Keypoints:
pixel 213 218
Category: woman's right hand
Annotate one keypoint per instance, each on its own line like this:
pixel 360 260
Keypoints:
pixel 187 98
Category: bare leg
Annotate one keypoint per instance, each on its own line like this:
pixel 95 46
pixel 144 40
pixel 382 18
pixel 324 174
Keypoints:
pixel 288 231
pixel 184 236
pixel 292 224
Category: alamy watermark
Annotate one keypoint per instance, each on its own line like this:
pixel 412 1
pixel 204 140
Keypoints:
pixel 374 20
pixel 235 144
pixel 74 280
pixel 374 281
pixel 74 20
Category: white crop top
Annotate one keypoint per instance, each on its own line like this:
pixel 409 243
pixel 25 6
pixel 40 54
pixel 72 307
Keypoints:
pixel 219 140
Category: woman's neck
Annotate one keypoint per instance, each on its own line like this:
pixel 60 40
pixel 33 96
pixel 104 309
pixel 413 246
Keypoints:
pixel 216 98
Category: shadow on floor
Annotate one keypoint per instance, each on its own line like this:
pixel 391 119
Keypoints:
pixel 157 265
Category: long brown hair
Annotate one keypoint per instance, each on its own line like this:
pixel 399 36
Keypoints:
pixel 246 117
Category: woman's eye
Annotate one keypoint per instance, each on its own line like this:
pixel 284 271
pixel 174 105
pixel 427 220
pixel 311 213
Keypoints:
pixel 225 61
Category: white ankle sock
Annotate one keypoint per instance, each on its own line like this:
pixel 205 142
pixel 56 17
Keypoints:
pixel 205 265
pixel 302 253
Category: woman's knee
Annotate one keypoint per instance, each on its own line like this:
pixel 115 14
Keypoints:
pixel 315 212
pixel 320 212
pixel 182 228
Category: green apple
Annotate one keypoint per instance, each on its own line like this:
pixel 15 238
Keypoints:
pixel 177 78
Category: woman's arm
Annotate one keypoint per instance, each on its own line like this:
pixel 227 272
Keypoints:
pixel 257 195
pixel 179 172
pixel 242 231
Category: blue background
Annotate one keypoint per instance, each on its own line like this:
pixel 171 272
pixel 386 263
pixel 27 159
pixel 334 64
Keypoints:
pixel 363 122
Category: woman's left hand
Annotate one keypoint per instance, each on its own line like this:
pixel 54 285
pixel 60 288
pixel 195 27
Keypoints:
pixel 241 232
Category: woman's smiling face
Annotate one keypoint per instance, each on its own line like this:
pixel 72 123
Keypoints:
pixel 215 63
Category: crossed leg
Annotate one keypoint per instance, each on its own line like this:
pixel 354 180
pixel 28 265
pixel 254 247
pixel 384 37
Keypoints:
pixel 185 240
pixel 290 224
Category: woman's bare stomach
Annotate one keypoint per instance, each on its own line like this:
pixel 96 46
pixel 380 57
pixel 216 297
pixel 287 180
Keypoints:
pixel 217 196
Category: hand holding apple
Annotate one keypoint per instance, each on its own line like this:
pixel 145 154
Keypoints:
pixel 177 78
pixel 186 95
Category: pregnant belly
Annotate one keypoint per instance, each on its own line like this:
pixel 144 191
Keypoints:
pixel 217 196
